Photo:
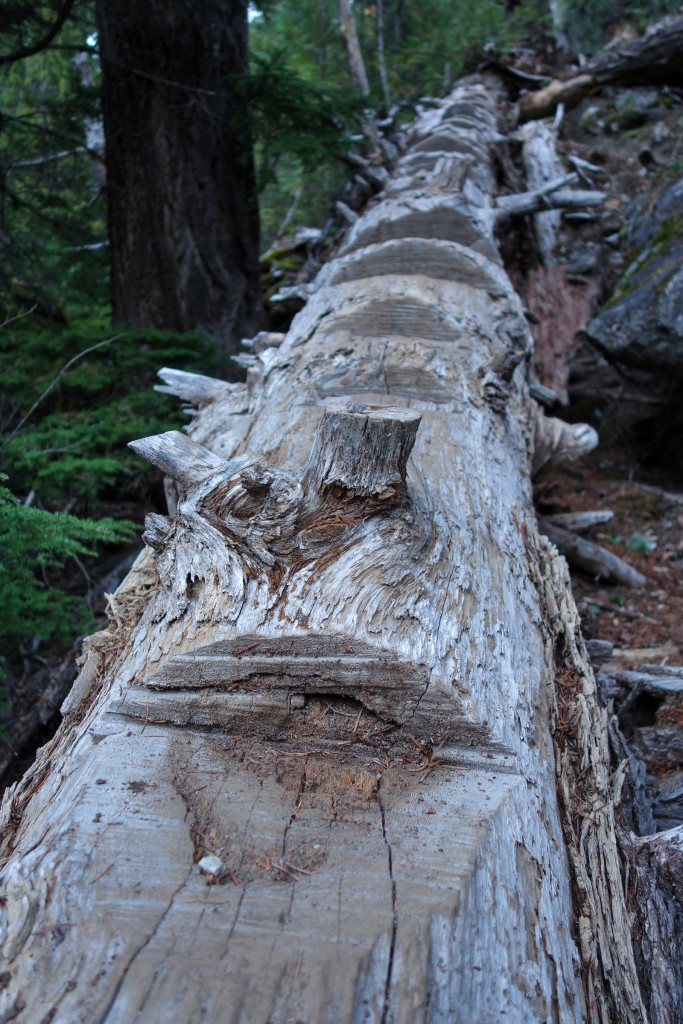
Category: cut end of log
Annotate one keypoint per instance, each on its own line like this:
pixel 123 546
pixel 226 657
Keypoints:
pixel 178 457
pixel 363 451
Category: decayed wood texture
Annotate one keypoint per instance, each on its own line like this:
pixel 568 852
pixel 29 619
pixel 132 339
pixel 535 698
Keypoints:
pixel 347 667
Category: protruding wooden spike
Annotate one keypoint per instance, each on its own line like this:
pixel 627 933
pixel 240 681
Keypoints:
pixel 543 395
pixel 363 450
pixel 263 340
pixel 191 387
pixel 178 457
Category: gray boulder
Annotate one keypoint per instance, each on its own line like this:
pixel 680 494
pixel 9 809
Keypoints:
pixel 635 107
pixel 642 324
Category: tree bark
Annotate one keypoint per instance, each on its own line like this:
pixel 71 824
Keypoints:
pixel 183 219
pixel 338 756
pixel 354 56
pixel 381 63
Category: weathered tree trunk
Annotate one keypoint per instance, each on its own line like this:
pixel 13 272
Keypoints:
pixel 183 219
pixel 381 62
pixel 338 756
pixel 354 55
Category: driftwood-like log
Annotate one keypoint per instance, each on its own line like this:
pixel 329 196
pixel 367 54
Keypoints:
pixel 591 558
pixel 579 522
pixel 552 196
pixel 655 58
pixel 347 675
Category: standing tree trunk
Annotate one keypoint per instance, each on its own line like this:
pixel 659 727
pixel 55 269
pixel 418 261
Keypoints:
pixel 338 756
pixel 354 56
pixel 380 53
pixel 183 218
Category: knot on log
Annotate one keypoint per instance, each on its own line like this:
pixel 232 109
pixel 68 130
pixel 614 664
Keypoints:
pixel 257 508
pixel 497 376
pixel 361 452
pixel 248 519
pixel 157 530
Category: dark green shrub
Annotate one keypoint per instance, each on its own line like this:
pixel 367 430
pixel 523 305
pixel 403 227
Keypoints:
pixel 73 446
pixel 31 542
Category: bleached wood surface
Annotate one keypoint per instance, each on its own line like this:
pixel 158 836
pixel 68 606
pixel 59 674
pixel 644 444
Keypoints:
pixel 336 669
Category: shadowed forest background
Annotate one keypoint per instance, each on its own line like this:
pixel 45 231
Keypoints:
pixel 100 285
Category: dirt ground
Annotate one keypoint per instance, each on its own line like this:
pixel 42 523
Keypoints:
pixel 645 624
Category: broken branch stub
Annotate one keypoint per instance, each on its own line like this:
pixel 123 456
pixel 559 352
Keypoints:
pixel 362 451
pixel 178 457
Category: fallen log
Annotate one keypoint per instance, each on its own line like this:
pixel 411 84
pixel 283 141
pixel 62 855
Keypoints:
pixel 590 557
pixel 655 58
pixel 338 755
pixel 579 522
pixel 552 196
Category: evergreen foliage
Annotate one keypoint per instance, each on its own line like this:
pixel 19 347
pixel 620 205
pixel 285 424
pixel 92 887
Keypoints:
pixel 589 24
pixel 51 201
pixel 301 109
pixel 73 448
pixel 31 542
pixel 71 453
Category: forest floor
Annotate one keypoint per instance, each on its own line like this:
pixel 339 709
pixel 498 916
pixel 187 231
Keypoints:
pixel 636 472
pixel 645 624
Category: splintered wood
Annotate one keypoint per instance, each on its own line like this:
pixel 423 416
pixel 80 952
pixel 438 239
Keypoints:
pixel 338 695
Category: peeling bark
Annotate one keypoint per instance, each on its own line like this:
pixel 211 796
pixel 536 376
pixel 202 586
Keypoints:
pixel 348 666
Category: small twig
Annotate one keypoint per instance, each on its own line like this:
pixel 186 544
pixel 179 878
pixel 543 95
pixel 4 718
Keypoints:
pixel 39 161
pixel 19 316
pixel 425 767
pixel 245 649
pixel 52 385
pixel 293 867
pixel 344 714
pixel 228 873
pixel 306 753
pixel 288 216
pixel 52 928
pixel 103 873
